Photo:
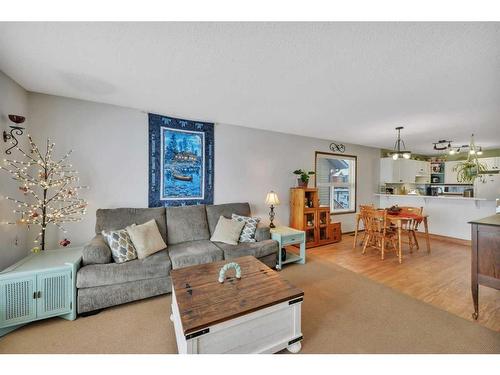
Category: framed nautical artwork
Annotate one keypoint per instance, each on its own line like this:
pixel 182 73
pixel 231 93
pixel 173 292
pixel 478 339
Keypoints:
pixel 181 162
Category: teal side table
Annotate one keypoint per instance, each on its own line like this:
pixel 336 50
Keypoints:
pixel 289 236
pixel 39 286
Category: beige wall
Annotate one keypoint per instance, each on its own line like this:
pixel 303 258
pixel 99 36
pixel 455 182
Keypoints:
pixel 110 146
pixel 13 100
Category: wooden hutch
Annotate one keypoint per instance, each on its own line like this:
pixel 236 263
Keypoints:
pixel 306 214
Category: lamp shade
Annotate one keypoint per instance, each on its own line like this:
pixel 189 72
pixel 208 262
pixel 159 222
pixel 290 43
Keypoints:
pixel 272 199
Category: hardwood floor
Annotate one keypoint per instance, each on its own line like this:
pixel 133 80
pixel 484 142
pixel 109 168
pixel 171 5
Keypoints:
pixel 441 278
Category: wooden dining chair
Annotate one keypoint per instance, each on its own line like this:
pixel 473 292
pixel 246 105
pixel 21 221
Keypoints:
pixel 379 233
pixel 363 208
pixel 411 226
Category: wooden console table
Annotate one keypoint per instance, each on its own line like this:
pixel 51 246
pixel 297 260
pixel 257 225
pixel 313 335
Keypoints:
pixel 485 265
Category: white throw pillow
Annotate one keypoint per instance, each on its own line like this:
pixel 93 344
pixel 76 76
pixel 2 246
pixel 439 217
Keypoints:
pixel 227 231
pixel 146 238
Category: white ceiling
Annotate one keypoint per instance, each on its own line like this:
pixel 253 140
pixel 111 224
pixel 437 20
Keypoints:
pixel 351 82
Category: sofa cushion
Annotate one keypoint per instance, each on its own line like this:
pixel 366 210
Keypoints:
pixel 248 232
pixel 96 251
pixel 256 249
pixel 187 223
pixel 262 233
pixel 227 231
pixel 226 210
pixel 194 252
pixel 156 265
pixel 122 248
pixel 120 218
pixel 146 238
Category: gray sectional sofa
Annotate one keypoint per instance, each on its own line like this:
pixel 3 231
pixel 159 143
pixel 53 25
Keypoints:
pixel 186 230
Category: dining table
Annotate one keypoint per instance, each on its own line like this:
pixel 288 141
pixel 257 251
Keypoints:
pixel 398 220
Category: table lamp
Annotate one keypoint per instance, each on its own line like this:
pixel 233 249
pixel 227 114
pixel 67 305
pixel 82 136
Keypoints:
pixel 272 200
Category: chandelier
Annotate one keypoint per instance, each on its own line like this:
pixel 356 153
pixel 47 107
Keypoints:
pixel 398 150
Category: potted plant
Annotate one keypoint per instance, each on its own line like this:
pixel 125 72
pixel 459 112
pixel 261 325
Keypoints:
pixel 304 177
pixel 470 169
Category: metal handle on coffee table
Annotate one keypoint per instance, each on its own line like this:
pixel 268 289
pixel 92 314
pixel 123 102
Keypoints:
pixel 225 267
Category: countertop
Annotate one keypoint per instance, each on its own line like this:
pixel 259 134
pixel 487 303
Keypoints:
pixel 451 197
pixel 493 220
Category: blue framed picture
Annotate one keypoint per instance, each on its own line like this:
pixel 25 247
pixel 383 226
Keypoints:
pixel 181 162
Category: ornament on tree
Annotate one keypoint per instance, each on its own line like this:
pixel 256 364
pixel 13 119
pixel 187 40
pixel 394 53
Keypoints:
pixel 64 242
pixel 51 189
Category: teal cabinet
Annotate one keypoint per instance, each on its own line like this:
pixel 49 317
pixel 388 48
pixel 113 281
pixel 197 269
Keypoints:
pixel 17 302
pixel 37 287
pixel 54 293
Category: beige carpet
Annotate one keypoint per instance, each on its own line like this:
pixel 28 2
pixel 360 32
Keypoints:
pixel 343 312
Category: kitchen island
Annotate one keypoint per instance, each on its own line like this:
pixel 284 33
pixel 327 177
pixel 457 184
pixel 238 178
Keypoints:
pixel 448 215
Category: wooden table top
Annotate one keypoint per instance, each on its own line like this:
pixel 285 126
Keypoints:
pixel 203 301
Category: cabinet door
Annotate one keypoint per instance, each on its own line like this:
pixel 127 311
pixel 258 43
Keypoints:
pixel 450 175
pixel 423 168
pixel 489 162
pixel 487 188
pixel 407 170
pixel 17 303
pixel 387 170
pixel 54 296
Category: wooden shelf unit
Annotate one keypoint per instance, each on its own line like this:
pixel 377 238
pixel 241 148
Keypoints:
pixel 306 214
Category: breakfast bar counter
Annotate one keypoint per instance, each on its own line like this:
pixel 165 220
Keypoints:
pixel 448 215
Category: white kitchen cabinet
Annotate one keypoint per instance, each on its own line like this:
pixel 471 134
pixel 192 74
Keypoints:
pixel 487 188
pixel 401 170
pixel 389 170
pixel 407 170
pixel 450 175
pixel 423 171
pixel 491 163
pixel 423 168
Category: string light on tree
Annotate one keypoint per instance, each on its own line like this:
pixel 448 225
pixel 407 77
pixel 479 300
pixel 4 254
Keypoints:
pixel 49 188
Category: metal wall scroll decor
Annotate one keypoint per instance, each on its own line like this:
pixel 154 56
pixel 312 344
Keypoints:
pixel 14 130
pixel 337 147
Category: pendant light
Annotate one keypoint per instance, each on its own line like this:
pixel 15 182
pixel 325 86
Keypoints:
pixel 398 151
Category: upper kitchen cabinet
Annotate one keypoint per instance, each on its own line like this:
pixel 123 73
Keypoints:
pixel 423 172
pixel 404 171
pixel 491 163
pixel 487 187
pixel 389 170
pixel 450 175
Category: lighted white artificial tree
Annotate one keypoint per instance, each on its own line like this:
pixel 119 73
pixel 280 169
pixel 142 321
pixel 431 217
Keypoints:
pixel 50 189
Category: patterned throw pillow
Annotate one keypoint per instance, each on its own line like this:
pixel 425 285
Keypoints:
pixel 248 232
pixel 122 248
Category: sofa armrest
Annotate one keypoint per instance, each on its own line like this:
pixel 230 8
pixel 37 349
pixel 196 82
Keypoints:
pixel 262 234
pixel 96 251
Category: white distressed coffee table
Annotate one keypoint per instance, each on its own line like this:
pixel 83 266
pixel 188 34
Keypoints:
pixel 259 313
